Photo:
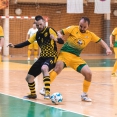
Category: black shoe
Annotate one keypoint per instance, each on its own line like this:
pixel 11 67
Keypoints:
pixel 30 96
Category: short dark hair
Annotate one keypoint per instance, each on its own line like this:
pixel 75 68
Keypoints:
pixel 38 17
pixel 86 19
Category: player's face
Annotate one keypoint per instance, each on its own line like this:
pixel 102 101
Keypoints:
pixel 83 26
pixel 40 25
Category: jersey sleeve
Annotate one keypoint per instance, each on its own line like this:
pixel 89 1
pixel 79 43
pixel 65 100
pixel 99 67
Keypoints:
pixel 95 38
pixel 1 32
pixel 67 30
pixel 114 32
pixel 32 38
pixel 51 31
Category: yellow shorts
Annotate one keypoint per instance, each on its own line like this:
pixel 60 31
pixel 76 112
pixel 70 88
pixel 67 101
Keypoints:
pixel 33 46
pixel 115 51
pixel 71 60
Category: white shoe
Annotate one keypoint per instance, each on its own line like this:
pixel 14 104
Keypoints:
pixel 47 97
pixel 28 59
pixel 84 97
pixel 42 91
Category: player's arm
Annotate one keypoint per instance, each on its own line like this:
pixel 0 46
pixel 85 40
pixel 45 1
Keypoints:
pixel 23 44
pixel 53 35
pixel 20 45
pixel 104 45
pixel 111 40
pixel 27 36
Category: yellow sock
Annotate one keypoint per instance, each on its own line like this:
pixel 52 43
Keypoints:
pixel 53 75
pixel 32 88
pixel 29 53
pixel 46 81
pixel 35 53
pixel 115 67
pixel 86 85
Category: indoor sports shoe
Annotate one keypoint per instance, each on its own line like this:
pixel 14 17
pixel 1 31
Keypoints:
pixel 47 96
pixel 84 97
pixel 114 75
pixel 30 96
pixel 42 91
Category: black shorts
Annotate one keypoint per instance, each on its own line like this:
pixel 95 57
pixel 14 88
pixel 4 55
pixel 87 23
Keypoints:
pixel 35 69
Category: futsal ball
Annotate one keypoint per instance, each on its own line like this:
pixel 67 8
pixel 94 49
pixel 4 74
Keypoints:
pixel 56 98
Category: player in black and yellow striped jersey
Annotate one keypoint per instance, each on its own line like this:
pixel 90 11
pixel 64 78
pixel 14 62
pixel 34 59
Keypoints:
pixel 46 38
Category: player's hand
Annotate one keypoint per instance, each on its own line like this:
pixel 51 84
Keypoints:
pixel 111 45
pixel 52 36
pixel 10 45
pixel 108 52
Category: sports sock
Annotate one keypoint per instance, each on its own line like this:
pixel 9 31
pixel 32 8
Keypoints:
pixel 32 88
pixel 29 53
pixel 35 53
pixel 114 67
pixel 46 81
pixel 53 75
pixel 86 85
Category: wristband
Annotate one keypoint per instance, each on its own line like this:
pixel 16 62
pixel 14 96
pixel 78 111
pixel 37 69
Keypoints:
pixel 60 41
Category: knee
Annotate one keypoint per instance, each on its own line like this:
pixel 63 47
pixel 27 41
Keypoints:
pixel 88 76
pixel 44 68
pixel 58 68
pixel 29 78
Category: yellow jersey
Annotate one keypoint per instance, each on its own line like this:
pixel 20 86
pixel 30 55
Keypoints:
pixel 76 40
pixel 114 33
pixel 1 32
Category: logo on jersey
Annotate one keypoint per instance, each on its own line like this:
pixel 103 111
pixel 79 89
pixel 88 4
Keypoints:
pixel 46 34
pixel 80 42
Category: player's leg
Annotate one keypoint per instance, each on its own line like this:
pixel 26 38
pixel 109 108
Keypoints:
pixel 34 71
pixel 60 65
pixel 115 64
pixel 35 50
pixel 80 66
pixel 47 66
pixel 57 69
pixel 1 43
pixel 53 74
pixel 86 72
pixel 30 47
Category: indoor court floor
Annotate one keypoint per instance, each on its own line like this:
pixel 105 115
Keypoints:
pixel 103 90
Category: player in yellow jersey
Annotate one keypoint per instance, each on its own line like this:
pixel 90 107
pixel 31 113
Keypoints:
pixel 34 46
pixel 78 38
pixel 1 38
pixel 46 38
pixel 113 36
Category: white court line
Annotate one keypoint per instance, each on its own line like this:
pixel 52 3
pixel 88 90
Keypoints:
pixel 63 110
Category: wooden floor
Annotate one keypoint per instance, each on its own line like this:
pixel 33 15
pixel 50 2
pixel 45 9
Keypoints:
pixel 103 90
